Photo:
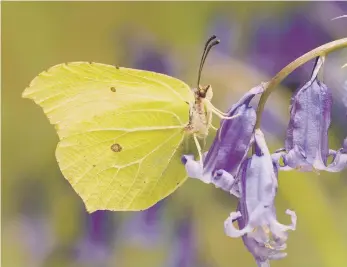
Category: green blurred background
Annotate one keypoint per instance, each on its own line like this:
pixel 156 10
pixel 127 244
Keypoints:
pixel 43 220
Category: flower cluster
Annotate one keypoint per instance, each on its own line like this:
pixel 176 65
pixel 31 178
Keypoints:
pixel 253 179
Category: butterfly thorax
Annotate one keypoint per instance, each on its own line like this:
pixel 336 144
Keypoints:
pixel 199 115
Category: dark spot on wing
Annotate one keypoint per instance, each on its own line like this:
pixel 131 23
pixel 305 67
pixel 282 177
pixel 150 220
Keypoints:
pixel 113 89
pixel 116 148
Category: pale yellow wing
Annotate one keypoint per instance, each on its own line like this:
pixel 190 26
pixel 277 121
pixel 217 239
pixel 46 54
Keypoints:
pixel 121 131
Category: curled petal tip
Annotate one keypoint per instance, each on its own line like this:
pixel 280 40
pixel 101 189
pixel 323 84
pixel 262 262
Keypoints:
pixel 230 229
pixel 184 160
pixel 218 175
pixel 193 168
pixel 224 180
pixel 294 218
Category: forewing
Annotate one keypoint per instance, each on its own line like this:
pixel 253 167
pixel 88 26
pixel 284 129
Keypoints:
pixel 78 91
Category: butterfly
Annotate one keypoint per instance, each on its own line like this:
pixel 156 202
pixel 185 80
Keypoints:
pixel 122 130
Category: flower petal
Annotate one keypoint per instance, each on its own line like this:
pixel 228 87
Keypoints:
pixel 224 180
pixel 297 157
pixel 279 229
pixel 339 162
pixel 230 229
pixel 193 168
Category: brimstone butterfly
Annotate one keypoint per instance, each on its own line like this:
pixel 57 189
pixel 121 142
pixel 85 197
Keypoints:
pixel 121 130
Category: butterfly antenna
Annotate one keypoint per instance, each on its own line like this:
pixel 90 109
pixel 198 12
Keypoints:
pixel 205 48
pixel 211 42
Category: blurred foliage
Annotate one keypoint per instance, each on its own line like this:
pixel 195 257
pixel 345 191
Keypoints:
pixel 44 222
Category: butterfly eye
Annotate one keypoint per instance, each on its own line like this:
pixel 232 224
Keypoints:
pixel 202 93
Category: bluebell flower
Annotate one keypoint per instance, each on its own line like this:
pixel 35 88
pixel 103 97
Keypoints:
pixel 262 234
pixel 230 147
pixel 306 144
pixel 145 228
pixel 95 245
pixel 224 25
pixel 183 250
pixel 271 37
pixel 344 100
pixel 101 227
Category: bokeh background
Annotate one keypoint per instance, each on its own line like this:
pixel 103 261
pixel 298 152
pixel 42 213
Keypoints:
pixel 44 223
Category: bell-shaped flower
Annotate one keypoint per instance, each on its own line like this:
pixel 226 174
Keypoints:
pixel 344 100
pixel 306 144
pixel 146 228
pixel 229 148
pixel 262 234
pixel 183 245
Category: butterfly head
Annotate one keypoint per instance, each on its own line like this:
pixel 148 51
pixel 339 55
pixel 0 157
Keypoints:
pixel 203 92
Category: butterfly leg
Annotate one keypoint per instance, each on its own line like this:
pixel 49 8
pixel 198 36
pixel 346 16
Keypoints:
pixel 225 117
pixel 217 112
pixel 198 148
pixel 209 123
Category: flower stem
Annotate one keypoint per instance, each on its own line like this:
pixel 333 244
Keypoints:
pixel 280 76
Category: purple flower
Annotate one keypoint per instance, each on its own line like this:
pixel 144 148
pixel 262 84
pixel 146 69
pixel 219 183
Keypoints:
pixel 344 100
pixel 222 162
pixel 101 227
pixel 95 245
pixel 223 25
pixel 306 145
pixel 272 36
pixel 262 234
pixel 145 228
pixel 183 250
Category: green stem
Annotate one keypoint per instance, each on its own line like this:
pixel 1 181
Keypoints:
pixel 280 76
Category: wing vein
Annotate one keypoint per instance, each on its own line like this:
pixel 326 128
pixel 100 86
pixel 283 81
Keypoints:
pixel 158 178
pixel 160 145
